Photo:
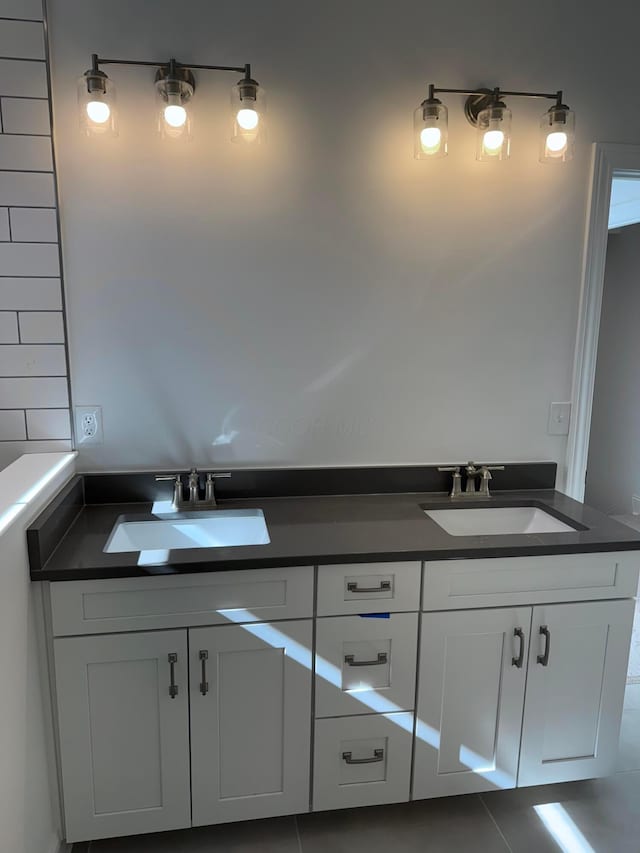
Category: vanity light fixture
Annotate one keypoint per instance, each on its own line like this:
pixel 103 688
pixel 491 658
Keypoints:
pixel 175 86
pixel 486 110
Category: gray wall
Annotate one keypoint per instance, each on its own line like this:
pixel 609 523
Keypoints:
pixel 613 468
pixel 327 299
pixel 34 399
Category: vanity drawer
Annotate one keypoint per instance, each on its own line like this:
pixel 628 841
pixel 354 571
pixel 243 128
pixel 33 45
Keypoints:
pixel 362 761
pixel 176 601
pixel 368 588
pixel 457 584
pixel 366 664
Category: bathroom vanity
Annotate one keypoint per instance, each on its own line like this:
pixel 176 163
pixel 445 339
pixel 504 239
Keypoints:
pixel 363 656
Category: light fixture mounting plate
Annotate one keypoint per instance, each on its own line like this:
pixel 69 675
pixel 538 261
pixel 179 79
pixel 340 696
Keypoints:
pixel 184 75
pixel 477 102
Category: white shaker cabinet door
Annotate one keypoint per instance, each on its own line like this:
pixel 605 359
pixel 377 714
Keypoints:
pixel 575 690
pixel 470 698
pixel 124 733
pixel 250 720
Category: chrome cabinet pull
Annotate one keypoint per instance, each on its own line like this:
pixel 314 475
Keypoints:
pixel 378 755
pixel 381 659
pixel 203 654
pixel 546 633
pixel 173 687
pixel 518 661
pixel 385 586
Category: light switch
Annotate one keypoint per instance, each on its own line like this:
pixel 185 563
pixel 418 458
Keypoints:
pixel 559 417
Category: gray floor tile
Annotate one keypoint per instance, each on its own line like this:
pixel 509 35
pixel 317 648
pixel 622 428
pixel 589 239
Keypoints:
pixel 277 835
pixel 596 816
pixel 452 825
pixel 629 754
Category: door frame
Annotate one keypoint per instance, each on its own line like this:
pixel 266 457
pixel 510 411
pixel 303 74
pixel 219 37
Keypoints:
pixel 608 160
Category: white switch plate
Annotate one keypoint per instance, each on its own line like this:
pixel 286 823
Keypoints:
pixel 559 417
pixel 635 504
pixel 88 425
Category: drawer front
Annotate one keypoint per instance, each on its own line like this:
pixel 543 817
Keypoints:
pixel 362 761
pixel 366 664
pixel 218 598
pixel 368 588
pixel 457 584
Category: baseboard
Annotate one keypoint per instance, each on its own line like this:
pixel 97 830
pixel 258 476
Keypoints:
pixel 61 847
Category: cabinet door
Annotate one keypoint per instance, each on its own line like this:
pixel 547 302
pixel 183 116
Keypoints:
pixel 470 699
pixel 575 693
pixel 124 739
pixel 250 720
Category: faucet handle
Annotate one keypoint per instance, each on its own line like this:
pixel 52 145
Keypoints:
pixel 454 468
pixel 161 477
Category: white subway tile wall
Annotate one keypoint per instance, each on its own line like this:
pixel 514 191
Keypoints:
pixel 34 398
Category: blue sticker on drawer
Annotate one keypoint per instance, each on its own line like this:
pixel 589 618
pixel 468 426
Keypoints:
pixel 374 615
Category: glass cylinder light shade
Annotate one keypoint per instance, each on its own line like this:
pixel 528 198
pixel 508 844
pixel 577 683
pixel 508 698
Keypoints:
pixel 493 135
pixel 174 108
pixel 430 130
pixel 96 104
pixel 248 107
pixel 557 135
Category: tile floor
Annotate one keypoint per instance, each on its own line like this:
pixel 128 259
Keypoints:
pixel 597 816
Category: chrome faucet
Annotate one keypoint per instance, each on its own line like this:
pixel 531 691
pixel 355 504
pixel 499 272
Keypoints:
pixel 473 472
pixel 194 501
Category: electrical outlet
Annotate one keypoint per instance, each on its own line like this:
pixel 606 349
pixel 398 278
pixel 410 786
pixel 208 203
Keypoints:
pixel 88 425
pixel 559 417
pixel 635 504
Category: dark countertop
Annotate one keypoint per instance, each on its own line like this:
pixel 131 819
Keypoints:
pixel 320 530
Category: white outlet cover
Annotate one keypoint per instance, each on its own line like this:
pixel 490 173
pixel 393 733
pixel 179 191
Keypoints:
pixel 81 413
pixel 635 504
pixel 559 418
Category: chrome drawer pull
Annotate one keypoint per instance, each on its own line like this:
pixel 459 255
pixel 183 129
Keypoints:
pixel 173 687
pixel 204 684
pixel 518 632
pixel 385 586
pixel 382 659
pixel 378 755
pixel 546 633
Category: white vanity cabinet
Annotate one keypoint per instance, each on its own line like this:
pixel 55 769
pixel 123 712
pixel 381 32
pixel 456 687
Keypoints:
pixel 198 699
pixel 473 668
pixel 527 694
pixel 575 695
pixel 123 713
pixel 250 720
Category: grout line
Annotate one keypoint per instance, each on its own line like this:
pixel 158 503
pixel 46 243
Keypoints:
pixel 24 97
pixel 22 20
pixel 23 58
pixel 295 822
pixel 15 133
pixel 495 823
pixel 29 171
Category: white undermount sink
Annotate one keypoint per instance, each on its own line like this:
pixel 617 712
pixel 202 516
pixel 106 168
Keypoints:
pixel 497 521
pixel 222 528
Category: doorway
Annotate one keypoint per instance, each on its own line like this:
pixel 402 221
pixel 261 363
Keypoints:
pixel 603 463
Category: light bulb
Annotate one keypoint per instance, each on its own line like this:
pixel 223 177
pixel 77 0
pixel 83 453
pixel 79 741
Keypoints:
pixel 98 111
pixel 556 142
pixel 430 138
pixel 493 141
pixel 175 115
pixel 247 118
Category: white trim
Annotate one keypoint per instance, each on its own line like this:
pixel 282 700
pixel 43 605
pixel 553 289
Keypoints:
pixel 61 847
pixel 608 159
